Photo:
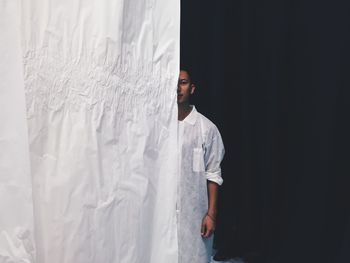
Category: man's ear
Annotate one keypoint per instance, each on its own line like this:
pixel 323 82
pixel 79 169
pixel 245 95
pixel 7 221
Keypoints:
pixel 193 87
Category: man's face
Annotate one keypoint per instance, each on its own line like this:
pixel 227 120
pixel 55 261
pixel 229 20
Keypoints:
pixel 184 88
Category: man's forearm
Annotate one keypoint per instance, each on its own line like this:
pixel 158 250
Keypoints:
pixel 212 198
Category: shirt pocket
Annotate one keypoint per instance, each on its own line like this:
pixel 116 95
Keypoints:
pixel 198 160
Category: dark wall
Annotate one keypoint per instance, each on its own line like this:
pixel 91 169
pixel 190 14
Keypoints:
pixel 274 77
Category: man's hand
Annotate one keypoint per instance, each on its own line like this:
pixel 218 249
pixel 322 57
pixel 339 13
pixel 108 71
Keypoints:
pixel 208 226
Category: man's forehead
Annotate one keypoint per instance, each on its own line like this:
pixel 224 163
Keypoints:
pixel 183 75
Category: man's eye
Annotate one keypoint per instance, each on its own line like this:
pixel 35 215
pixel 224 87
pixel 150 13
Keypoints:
pixel 184 82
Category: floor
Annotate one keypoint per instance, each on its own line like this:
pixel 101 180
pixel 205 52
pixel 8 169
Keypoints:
pixel 235 260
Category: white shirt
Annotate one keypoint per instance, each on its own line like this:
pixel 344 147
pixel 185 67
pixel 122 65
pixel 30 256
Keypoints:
pixel 201 151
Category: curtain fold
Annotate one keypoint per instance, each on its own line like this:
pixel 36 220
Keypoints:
pixel 16 204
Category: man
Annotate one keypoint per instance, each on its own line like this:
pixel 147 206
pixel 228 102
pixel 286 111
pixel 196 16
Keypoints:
pixel 201 151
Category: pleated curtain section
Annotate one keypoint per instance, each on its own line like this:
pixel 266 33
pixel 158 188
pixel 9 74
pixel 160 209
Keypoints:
pixel 88 170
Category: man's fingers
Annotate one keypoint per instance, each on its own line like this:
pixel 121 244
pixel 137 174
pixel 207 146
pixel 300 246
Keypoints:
pixel 203 228
pixel 207 228
pixel 208 231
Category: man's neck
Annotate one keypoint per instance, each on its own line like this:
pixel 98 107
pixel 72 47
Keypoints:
pixel 183 111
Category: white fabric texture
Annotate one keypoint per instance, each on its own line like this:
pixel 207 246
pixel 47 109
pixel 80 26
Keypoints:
pixel 201 149
pixel 16 205
pixel 100 87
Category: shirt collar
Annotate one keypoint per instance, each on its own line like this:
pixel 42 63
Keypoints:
pixel 192 117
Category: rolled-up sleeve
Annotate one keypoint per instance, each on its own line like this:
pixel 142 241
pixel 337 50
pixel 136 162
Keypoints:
pixel 214 153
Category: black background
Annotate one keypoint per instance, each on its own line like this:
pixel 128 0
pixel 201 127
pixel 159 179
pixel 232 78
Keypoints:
pixel 274 77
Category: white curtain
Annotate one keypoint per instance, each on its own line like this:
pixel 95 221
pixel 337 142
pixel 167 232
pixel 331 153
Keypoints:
pixel 89 92
pixel 16 205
